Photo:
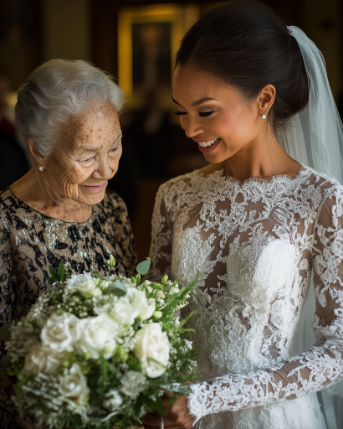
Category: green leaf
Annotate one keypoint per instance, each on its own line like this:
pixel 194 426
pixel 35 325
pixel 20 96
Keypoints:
pixel 179 297
pixel 185 320
pixel 61 271
pixel 52 280
pixel 98 276
pixel 59 298
pixel 118 288
pixel 194 282
pixel 52 271
pixel 159 407
pixel 143 267
pixel 173 387
pixel 5 335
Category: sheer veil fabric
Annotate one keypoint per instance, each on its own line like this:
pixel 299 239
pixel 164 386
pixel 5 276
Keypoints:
pixel 315 138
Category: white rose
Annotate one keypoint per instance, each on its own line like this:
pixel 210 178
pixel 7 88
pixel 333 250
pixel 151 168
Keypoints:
pixel 139 300
pixel 73 386
pixel 152 349
pixel 60 332
pixel 86 285
pixel 123 312
pixel 98 336
pixel 42 359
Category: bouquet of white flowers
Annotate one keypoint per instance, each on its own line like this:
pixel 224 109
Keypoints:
pixel 95 352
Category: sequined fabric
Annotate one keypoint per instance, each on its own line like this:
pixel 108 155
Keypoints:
pixel 31 241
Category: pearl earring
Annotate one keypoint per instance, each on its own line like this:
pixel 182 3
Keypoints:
pixel 40 168
pixel 263 116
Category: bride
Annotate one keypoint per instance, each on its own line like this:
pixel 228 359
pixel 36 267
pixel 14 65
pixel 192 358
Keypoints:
pixel 254 96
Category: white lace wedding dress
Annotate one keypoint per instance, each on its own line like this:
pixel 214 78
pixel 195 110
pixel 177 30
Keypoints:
pixel 255 244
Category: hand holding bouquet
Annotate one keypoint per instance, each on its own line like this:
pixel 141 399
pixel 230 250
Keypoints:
pixel 95 352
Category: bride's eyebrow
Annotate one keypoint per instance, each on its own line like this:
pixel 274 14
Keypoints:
pixel 198 102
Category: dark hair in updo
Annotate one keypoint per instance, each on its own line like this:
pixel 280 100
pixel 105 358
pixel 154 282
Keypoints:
pixel 244 43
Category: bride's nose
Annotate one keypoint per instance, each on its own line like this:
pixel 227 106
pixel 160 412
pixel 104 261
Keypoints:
pixel 192 127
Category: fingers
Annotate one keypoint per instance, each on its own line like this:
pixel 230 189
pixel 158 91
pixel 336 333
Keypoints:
pixel 180 413
pixel 183 422
pixel 153 421
pixel 178 416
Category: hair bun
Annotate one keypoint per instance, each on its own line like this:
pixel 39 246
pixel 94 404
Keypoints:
pixel 247 45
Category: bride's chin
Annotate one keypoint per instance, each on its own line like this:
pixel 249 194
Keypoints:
pixel 213 158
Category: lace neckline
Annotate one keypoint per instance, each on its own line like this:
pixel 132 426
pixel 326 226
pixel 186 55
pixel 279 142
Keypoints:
pixel 283 177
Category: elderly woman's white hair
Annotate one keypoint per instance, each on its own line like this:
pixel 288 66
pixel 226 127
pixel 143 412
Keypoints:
pixel 56 91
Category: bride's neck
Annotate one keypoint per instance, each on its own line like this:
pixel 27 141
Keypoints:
pixel 261 160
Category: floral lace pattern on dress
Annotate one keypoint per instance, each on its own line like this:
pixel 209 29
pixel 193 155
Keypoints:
pixel 255 244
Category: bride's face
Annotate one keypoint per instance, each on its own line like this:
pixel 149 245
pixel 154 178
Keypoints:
pixel 214 114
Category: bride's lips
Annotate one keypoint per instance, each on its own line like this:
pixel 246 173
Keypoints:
pixel 209 148
pixel 95 188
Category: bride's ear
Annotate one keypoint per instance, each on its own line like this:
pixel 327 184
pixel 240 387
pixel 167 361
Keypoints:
pixel 266 98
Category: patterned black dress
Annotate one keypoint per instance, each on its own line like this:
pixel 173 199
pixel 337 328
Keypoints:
pixel 30 242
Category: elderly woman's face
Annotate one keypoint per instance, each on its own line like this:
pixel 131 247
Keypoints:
pixel 80 169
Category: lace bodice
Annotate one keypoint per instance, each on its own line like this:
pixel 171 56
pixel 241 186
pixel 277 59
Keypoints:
pixel 255 244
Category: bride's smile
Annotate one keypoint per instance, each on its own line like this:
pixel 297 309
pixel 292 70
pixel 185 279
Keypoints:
pixel 227 127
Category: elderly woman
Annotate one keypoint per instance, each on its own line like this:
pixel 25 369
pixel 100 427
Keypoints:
pixel 67 111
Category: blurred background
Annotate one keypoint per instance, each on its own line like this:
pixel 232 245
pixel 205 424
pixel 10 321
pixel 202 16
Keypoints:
pixel 136 42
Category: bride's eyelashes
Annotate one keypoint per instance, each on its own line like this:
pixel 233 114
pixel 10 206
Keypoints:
pixel 205 114
pixel 201 114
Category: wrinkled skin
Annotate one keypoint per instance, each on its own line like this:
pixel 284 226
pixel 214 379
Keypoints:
pixel 86 156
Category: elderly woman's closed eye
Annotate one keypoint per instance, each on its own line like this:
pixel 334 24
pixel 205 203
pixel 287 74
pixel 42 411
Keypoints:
pixel 67 112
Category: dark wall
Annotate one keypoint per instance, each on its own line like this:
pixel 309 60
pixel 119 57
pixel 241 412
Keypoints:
pixel 104 24
pixel 20 38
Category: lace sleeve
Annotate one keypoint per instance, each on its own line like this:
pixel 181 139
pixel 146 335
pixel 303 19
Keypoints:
pixel 161 239
pixel 312 370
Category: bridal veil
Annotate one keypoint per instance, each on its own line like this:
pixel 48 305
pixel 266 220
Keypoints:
pixel 315 138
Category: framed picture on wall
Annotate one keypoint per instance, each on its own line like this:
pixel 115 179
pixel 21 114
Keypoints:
pixel 148 38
